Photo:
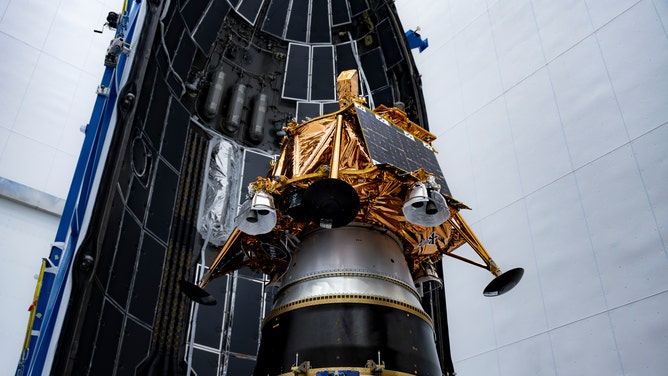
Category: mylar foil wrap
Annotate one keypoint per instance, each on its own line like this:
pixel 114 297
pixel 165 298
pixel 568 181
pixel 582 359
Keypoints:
pixel 220 191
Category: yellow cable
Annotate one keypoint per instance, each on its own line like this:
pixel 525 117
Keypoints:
pixel 33 306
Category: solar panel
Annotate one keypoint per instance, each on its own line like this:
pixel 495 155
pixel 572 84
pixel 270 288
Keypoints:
pixel 320 29
pixel 340 12
pixel 296 80
pixel 307 110
pixel 274 21
pixel 249 9
pixel 358 6
pixel 388 40
pixel 207 30
pixel 322 74
pixel 383 96
pixel 329 107
pixel 345 57
pixel 388 144
pixel 373 65
pixel 192 12
pixel 298 20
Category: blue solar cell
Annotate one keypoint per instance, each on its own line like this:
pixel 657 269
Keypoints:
pixel 388 144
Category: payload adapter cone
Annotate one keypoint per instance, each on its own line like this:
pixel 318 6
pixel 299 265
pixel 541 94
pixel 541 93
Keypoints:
pixel 353 213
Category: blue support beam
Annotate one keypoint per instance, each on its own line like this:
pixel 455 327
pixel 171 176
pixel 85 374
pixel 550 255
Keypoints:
pixel 51 287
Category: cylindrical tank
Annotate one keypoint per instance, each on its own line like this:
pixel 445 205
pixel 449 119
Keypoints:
pixel 215 95
pixel 234 112
pixel 258 120
pixel 347 298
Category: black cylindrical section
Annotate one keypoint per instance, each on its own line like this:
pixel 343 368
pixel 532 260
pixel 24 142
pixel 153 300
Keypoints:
pixel 340 336
pixel 348 295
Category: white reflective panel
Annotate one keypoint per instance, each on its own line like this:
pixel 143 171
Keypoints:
pixel 26 161
pixel 4 137
pixel 445 68
pixel 603 11
pixel 564 256
pixel 650 151
pixel 493 161
pixel 586 347
pixel 46 105
pixel 593 239
pixel 452 110
pixel 640 330
pixel 484 364
pixel 481 88
pixel 455 159
pixel 662 10
pixel 561 24
pixel 630 255
pixel 587 103
pixel 472 329
pixel 516 40
pixel 79 114
pixel 29 21
pixel 436 23
pixel 474 47
pixel 60 174
pixel 521 312
pixel 465 12
pixel 17 67
pixel 529 357
pixel 477 65
pixel 637 68
pixel 542 154
pixel 72 29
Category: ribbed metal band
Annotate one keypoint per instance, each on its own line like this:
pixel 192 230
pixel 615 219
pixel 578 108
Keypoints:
pixel 362 284
pixel 349 298
pixel 353 273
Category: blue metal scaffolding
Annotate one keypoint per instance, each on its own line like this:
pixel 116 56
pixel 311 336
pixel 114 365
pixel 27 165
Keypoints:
pixel 56 269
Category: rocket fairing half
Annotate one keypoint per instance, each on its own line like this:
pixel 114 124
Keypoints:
pixel 356 201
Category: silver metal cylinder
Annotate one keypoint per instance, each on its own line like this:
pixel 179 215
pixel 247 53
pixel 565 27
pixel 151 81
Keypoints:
pixel 256 130
pixel 356 262
pixel 233 120
pixel 215 95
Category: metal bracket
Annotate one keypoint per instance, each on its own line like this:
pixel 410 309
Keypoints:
pixel 376 368
pixel 302 369
pixel 103 91
pixel 50 267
